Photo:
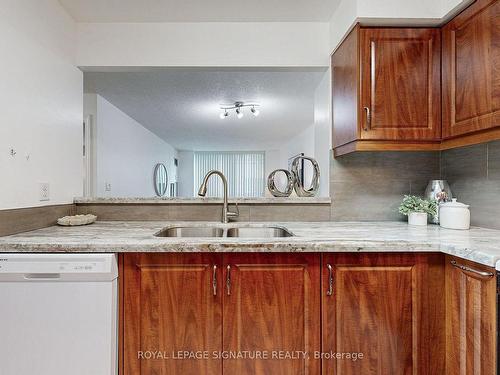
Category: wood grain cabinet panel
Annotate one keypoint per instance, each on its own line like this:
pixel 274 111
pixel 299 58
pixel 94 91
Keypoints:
pixel 471 70
pixel 389 307
pixel 471 319
pixel 401 84
pixel 386 90
pixel 170 306
pixel 345 86
pixel 272 303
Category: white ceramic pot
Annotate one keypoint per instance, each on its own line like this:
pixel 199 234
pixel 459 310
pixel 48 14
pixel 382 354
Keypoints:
pixel 417 218
pixel 454 215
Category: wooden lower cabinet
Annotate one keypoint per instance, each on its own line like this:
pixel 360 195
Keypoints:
pixel 389 308
pixel 272 304
pixel 169 305
pixel 471 319
pixel 249 304
pixel 306 314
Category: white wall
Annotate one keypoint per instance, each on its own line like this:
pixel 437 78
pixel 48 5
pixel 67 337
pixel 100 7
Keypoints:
pixel 302 142
pixel 203 44
pixel 41 96
pixel 322 133
pixel 186 173
pixel 343 19
pixel 127 153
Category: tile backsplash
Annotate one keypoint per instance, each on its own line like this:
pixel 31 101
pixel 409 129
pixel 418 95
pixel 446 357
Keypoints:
pixel 474 176
pixel 369 186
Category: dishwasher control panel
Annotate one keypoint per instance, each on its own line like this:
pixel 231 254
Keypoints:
pixel 57 266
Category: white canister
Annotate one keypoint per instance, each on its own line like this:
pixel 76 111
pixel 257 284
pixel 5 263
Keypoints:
pixel 417 218
pixel 454 215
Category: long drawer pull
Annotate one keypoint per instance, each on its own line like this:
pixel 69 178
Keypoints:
pixel 228 280
pixel 214 280
pixel 329 292
pixel 472 270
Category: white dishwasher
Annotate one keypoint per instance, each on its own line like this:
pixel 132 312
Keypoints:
pixel 58 314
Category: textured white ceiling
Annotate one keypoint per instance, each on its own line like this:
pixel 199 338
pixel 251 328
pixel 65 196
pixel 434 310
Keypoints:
pixel 182 105
pixel 200 10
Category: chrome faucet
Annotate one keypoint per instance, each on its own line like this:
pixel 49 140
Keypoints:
pixel 226 214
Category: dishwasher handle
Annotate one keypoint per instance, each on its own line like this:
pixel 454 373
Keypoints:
pixel 42 276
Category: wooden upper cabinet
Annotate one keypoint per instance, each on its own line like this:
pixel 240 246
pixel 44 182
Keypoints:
pixel 471 318
pixel 272 303
pixel 171 304
pixel 386 86
pixel 389 307
pixel 400 84
pixel 471 70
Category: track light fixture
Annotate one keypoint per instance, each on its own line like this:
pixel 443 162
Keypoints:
pixel 238 108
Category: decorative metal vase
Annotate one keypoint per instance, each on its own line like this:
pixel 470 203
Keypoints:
pixel 273 189
pixel 299 182
pixel 440 191
pixel 295 179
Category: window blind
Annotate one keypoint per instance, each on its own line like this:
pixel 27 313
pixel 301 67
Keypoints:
pixel 244 172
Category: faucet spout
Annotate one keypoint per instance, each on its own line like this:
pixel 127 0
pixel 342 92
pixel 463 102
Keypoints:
pixel 202 191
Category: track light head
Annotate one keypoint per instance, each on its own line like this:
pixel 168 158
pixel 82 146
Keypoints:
pixel 224 114
pixel 239 114
pixel 255 111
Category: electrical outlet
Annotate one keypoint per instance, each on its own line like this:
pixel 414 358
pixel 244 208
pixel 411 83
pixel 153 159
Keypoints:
pixel 44 191
pixel 107 186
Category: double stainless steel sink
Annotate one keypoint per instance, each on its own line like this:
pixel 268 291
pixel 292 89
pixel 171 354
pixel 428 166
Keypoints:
pixel 216 231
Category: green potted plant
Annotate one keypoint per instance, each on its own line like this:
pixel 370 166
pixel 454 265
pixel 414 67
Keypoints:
pixel 417 209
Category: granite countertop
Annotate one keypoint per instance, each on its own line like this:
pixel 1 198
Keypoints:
pixel 200 200
pixel 478 244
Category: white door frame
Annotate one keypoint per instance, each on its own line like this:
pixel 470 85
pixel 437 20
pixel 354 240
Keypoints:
pixel 88 157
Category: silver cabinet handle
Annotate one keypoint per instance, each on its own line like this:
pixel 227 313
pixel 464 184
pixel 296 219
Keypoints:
pixel 228 280
pixel 471 270
pixel 214 280
pixel 368 122
pixel 329 292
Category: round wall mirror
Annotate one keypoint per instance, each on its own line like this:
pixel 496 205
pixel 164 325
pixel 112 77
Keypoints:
pixel 160 179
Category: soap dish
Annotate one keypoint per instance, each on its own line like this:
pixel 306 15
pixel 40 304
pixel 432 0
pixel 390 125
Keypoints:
pixel 73 221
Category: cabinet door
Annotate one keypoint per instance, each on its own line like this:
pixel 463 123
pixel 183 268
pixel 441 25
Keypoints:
pixel 471 73
pixel 171 304
pixel 389 308
pixel 400 84
pixel 272 305
pixel 471 319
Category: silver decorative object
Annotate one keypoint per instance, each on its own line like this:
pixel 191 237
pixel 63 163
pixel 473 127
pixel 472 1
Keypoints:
pixel 271 183
pixel 160 179
pixel 440 191
pixel 299 181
